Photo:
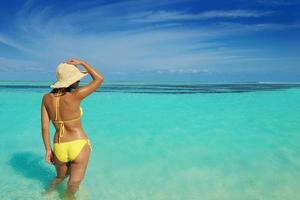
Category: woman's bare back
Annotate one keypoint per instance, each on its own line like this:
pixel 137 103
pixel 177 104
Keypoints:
pixel 68 109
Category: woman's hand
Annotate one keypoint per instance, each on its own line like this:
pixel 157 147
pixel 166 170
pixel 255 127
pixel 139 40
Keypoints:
pixel 49 157
pixel 75 61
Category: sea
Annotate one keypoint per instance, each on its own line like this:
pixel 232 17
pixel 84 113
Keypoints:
pixel 162 141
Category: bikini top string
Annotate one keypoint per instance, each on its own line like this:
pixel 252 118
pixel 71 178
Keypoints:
pixel 61 123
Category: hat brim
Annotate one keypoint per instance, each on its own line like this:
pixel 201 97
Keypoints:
pixel 67 83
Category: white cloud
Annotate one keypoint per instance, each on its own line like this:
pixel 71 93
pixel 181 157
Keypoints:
pixel 162 15
pixel 118 44
pixel 19 65
pixel 176 71
pixel 279 2
pixel 10 42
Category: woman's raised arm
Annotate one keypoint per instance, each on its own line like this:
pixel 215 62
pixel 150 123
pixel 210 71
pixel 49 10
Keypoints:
pixel 92 86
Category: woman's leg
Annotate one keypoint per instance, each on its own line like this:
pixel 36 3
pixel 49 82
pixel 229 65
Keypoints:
pixel 77 171
pixel 62 171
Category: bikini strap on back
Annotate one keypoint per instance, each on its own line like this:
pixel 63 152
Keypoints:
pixel 57 102
pixel 61 123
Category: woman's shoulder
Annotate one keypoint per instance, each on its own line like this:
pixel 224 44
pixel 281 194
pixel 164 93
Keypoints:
pixel 47 95
pixel 74 93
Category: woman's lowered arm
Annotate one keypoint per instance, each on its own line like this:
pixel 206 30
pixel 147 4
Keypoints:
pixel 45 122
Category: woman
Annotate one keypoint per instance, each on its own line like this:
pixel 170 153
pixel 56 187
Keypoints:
pixel 71 149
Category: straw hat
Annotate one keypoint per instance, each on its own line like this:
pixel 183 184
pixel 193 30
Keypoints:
pixel 67 74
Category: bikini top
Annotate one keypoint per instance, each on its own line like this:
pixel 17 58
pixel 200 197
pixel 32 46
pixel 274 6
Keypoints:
pixel 61 122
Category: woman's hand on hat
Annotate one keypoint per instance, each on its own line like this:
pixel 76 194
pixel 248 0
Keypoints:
pixel 74 61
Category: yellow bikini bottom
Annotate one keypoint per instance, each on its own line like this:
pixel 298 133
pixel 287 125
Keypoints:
pixel 68 151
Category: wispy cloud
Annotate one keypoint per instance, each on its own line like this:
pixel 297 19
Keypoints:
pixel 128 42
pixel 194 71
pixel 279 2
pixel 162 15
pixel 12 43
pixel 20 65
pixel 237 27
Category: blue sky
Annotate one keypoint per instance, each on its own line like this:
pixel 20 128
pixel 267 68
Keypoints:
pixel 152 40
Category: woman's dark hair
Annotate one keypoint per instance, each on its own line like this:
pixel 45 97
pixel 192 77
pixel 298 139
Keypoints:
pixel 55 90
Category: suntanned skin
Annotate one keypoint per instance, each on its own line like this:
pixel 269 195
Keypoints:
pixel 68 109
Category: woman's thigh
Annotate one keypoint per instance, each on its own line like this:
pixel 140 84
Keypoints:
pixel 62 169
pixel 79 164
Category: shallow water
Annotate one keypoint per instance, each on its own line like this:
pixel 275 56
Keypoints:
pixel 163 141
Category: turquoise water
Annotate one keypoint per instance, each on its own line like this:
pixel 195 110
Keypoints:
pixel 167 141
